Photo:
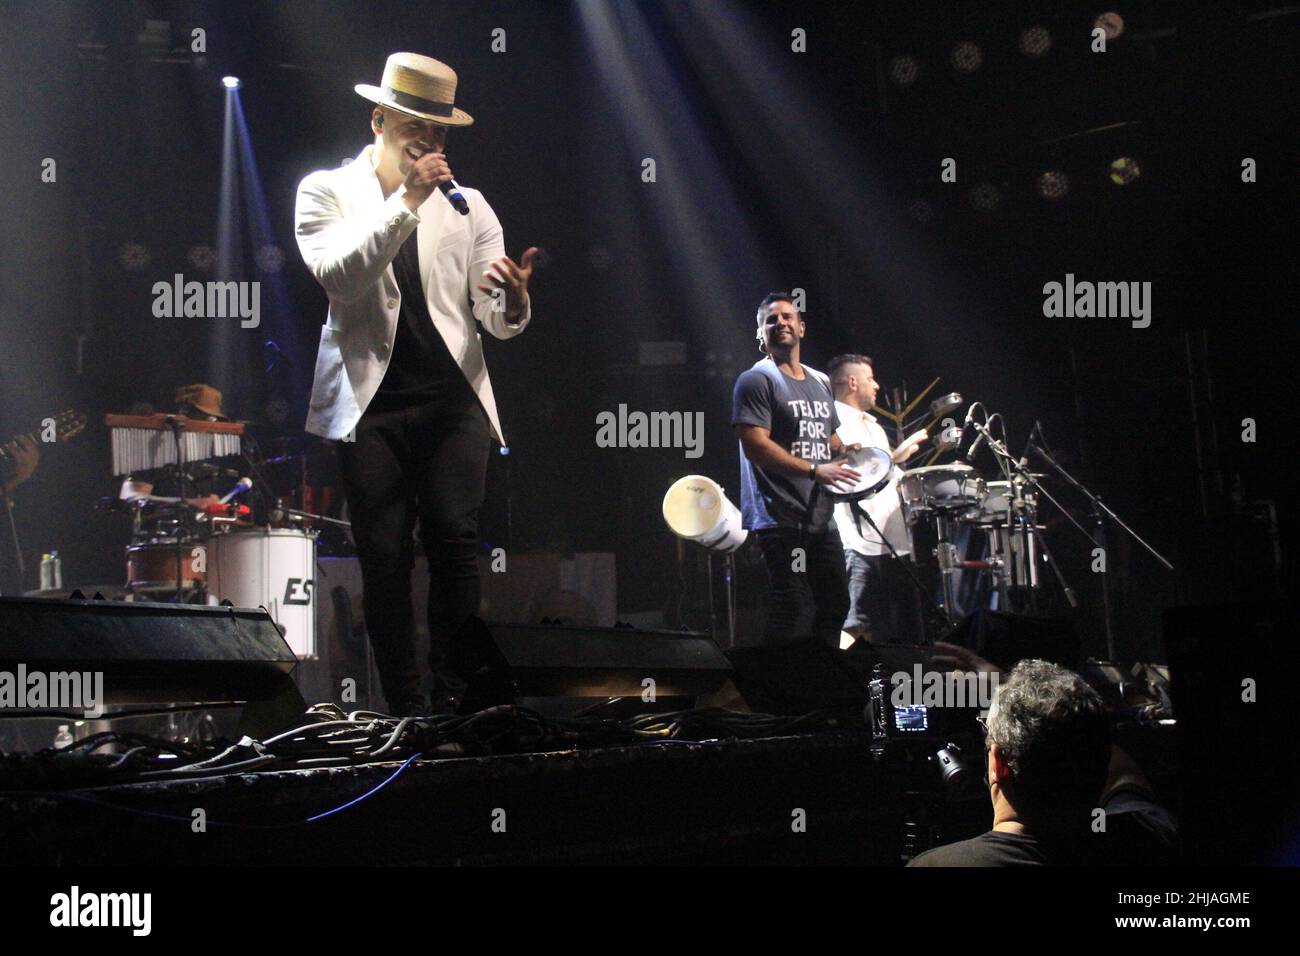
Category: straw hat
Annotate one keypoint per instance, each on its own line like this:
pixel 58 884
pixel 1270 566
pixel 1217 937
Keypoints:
pixel 419 85
pixel 200 398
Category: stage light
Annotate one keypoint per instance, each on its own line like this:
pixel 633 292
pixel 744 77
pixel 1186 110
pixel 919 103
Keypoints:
pixel 134 257
pixel 966 57
pixel 156 34
pixel 230 82
pixel 1035 41
pixel 985 196
pixel 1053 184
pixel 696 508
pixel 277 411
pixel 903 70
pixel 1111 23
pixel 269 258
pixel 202 257
pixel 1124 170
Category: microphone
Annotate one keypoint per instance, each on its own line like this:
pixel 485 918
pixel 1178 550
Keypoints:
pixel 974 446
pixel 242 485
pixel 454 196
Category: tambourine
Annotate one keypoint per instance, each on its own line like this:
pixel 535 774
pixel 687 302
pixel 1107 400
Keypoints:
pixel 874 465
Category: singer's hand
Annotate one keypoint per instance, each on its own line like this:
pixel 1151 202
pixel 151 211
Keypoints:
pixel 426 174
pixel 512 279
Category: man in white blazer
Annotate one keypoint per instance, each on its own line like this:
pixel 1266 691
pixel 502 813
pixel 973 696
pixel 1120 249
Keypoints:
pixel 400 380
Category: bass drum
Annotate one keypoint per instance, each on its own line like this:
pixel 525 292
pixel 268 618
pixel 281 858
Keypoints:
pixel 274 568
pixel 151 566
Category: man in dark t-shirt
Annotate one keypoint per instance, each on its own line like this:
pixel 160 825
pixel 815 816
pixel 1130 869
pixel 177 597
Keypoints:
pixel 784 415
pixel 1062 794
pixel 1139 832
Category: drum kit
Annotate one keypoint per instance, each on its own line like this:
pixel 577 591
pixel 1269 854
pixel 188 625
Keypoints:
pixel 962 508
pixel 970 524
pixel 210 550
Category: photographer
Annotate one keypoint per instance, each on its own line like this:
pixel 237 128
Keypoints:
pixel 1050 767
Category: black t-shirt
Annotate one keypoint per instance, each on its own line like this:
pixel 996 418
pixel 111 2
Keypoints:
pixel 421 368
pixel 1138 833
pixel 800 416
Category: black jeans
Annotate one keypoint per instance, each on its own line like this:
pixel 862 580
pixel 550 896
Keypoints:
pixel 428 461
pixel 809 591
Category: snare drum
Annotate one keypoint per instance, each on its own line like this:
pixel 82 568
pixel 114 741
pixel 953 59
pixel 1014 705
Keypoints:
pixel 274 568
pixel 939 488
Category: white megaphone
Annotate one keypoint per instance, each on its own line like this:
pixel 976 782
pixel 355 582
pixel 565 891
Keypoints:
pixel 697 509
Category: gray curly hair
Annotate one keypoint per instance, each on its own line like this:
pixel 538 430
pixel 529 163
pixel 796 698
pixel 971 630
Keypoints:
pixel 1053 732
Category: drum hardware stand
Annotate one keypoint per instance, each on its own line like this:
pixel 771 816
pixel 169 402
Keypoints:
pixel 1041 542
pixel 938 408
pixel 729 595
pixel 932 616
pixel 1019 467
pixel 177 425
pixel 308 516
pixel 1097 510
pixel 13 534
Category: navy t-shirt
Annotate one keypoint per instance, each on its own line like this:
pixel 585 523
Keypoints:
pixel 800 415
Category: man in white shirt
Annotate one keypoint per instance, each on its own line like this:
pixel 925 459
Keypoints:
pixel 880 601
pixel 400 383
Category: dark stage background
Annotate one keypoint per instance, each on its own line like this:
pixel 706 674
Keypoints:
pixel 774 169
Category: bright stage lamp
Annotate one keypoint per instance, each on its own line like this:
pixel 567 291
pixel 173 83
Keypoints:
pixel 697 509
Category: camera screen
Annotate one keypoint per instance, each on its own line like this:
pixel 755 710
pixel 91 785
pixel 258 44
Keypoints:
pixel 912 719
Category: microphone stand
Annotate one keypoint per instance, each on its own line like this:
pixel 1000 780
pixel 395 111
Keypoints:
pixel 177 424
pixel 13 533
pixel 1098 509
pixel 1000 449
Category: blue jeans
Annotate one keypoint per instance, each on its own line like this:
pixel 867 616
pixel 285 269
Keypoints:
pixel 881 598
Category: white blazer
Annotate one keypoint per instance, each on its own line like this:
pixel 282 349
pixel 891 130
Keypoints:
pixel 349 235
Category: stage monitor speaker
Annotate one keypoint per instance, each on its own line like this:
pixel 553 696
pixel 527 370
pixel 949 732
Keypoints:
pixel 1233 673
pixel 154 657
pixel 562 661
pixel 1006 639
pixel 799 678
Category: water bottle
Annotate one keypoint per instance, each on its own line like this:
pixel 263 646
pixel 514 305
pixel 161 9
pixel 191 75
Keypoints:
pixel 63 738
pixel 51 572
